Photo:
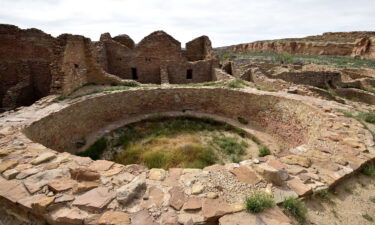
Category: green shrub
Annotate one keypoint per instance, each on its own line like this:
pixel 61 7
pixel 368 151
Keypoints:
pixel 368 217
pixel 231 146
pixel 242 120
pixel 368 170
pixel 263 151
pixel 258 201
pixel 237 83
pixel 368 117
pixel 324 195
pixel 95 150
pixel 284 59
pixel 295 208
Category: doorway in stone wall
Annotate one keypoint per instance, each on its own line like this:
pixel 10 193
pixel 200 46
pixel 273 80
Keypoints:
pixel 134 73
pixel 189 74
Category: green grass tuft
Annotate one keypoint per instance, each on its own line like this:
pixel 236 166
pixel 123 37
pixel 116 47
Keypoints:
pixel 263 151
pixel 258 201
pixel 295 208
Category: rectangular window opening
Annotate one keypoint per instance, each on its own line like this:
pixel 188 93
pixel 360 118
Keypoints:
pixel 189 74
pixel 134 74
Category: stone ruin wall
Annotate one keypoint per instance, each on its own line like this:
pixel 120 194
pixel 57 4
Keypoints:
pixel 156 52
pixel 25 72
pixel 34 64
pixel 287 123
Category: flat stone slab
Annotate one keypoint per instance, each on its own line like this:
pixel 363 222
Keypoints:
pixel 95 199
pixel 246 175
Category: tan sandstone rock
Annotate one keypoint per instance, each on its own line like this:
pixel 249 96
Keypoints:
pixel 296 160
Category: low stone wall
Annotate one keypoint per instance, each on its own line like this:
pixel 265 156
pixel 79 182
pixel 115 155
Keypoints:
pixel 357 95
pixel 283 118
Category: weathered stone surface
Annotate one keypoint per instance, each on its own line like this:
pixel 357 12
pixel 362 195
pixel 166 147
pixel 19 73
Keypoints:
pixel 12 190
pixel 299 187
pixel 84 174
pixel 193 203
pixel 85 186
pixel 142 218
pixel 95 199
pixel 271 174
pixel 270 216
pixel 43 158
pixel 169 218
pixel 114 218
pixel 155 197
pixel 64 198
pixel 28 172
pixel 246 175
pixel 112 172
pixel 157 174
pixel 42 204
pixel 62 184
pixel 69 216
pixel 7 165
pixel 101 165
pixel 296 160
pixel 214 208
pixel 178 197
pixel 10 174
pixel 129 191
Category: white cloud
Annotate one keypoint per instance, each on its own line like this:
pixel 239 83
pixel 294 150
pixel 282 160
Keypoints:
pixel 226 22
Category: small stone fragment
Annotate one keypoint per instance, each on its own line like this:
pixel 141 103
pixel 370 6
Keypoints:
pixel 197 188
pixel 10 174
pixel 43 158
pixel 42 204
pixel 84 174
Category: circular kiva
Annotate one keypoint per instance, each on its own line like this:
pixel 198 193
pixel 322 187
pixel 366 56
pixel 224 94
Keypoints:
pixel 42 179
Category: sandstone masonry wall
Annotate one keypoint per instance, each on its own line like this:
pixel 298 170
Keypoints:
pixel 25 57
pixel 286 119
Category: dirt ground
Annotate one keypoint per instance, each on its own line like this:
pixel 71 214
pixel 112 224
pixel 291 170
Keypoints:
pixel 352 200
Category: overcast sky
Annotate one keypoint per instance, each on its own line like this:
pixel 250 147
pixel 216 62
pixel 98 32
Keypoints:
pixel 225 22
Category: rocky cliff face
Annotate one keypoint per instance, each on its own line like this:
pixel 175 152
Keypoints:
pixel 356 44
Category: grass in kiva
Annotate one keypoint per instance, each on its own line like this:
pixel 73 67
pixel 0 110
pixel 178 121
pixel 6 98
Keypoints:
pixel 368 170
pixel 258 201
pixel 296 208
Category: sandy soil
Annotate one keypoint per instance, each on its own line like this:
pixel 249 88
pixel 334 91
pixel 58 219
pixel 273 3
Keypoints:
pixel 351 199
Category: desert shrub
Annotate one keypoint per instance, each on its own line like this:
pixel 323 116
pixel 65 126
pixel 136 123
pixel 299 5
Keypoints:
pixel 258 201
pixel 368 117
pixel 324 195
pixel 295 208
pixel 284 59
pixel 237 83
pixel 230 145
pixel 368 217
pixel 228 56
pixel 263 151
pixel 368 170
pixel 95 150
